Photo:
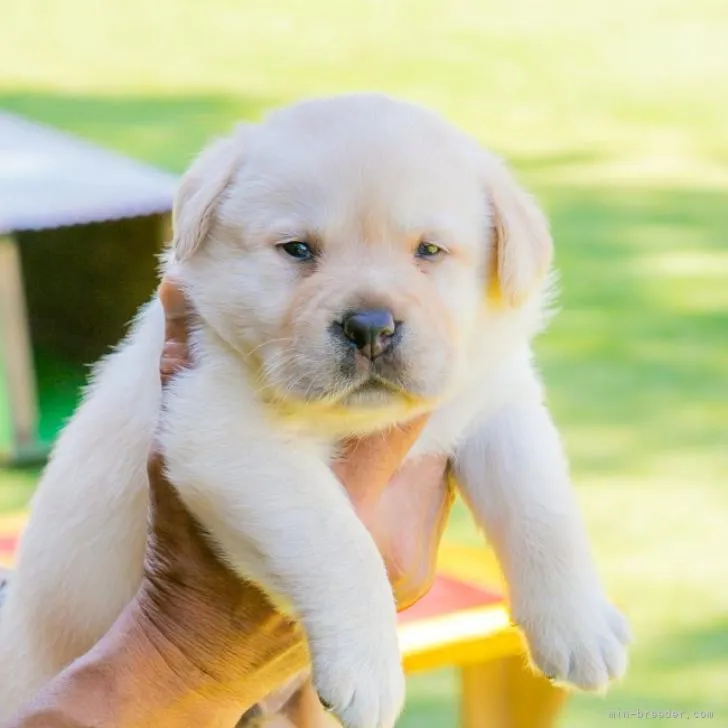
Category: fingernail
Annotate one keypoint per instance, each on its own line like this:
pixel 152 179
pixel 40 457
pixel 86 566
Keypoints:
pixel 173 298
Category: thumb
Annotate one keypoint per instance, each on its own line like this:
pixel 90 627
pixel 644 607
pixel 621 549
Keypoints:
pixel 177 316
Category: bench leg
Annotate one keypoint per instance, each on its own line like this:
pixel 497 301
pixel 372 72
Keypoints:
pixel 18 382
pixel 507 694
pixel 166 230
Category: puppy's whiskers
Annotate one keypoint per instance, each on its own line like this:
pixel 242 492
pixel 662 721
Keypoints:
pixel 270 342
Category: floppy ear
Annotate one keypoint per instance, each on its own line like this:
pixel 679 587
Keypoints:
pixel 200 191
pixel 522 246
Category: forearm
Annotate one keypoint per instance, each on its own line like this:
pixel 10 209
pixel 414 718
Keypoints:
pixel 128 680
pixel 515 477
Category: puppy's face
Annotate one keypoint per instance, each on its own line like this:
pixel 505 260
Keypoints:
pixel 345 250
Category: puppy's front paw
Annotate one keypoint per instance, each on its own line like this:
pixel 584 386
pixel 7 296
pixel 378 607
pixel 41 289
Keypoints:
pixel 577 639
pixel 360 680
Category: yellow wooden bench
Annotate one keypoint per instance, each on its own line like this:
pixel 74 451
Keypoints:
pixel 462 623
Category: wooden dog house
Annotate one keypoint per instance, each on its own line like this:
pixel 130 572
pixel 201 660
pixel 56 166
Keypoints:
pixel 80 228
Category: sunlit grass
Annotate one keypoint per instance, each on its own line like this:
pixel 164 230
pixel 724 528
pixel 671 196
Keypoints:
pixel 615 114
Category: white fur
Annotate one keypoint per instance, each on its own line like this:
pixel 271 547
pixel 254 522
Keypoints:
pixel 250 453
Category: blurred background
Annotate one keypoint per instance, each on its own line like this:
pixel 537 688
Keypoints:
pixel 616 115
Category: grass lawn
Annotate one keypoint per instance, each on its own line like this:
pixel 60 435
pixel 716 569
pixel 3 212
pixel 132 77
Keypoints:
pixel 615 114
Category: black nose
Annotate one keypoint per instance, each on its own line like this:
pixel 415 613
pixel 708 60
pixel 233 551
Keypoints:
pixel 370 330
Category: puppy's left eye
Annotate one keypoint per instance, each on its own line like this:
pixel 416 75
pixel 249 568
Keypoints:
pixel 298 250
pixel 428 250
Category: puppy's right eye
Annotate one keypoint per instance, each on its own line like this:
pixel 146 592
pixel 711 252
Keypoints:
pixel 298 250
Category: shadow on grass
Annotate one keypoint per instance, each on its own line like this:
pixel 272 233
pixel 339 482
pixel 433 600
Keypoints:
pixel 639 346
pixel 164 130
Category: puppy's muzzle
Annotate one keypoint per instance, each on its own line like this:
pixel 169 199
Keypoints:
pixel 372 331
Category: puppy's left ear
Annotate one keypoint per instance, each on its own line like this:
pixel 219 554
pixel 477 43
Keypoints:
pixel 200 191
pixel 522 245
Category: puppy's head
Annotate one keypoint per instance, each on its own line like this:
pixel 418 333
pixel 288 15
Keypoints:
pixel 352 250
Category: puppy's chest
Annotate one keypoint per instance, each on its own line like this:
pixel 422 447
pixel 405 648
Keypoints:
pixel 442 434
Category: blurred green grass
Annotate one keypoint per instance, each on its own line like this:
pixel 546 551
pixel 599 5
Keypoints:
pixel 614 113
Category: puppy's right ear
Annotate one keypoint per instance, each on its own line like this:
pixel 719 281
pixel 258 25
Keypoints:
pixel 200 191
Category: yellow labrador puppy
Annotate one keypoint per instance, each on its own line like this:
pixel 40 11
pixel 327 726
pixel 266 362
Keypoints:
pixel 355 261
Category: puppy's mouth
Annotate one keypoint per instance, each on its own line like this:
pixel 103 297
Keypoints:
pixel 371 383
pixel 372 392
pixel 375 384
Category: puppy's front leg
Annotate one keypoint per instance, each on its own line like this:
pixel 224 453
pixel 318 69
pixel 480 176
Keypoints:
pixel 282 519
pixel 515 478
